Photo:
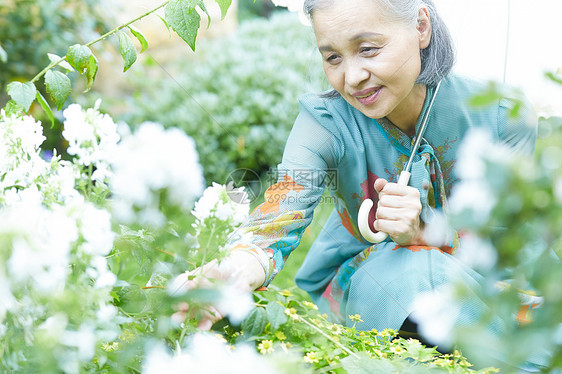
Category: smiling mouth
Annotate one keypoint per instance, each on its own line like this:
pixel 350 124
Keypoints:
pixel 369 97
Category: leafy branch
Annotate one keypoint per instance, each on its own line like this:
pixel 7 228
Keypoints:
pixel 180 15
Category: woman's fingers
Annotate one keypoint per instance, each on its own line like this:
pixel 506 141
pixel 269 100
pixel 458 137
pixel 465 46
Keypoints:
pixel 398 211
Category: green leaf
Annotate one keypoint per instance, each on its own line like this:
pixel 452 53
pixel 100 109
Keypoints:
pixel 255 323
pixel 140 37
pixel 63 64
pixel 366 365
pixel 485 98
pixel 46 108
pixel 184 19
pixel 12 108
pixel 276 314
pixel 128 51
pixel 3 55
pixel 204 9
pixel 78 56
pixel 224 5
pixel 166 24
pixel 91 72
pixel 557 78
pixel 58 86
pixel 22 93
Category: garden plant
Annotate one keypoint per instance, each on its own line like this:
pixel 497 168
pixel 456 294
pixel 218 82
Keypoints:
pixel 90 248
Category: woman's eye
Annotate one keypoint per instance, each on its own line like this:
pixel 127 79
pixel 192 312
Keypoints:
pixel 332 59
pixel 369 50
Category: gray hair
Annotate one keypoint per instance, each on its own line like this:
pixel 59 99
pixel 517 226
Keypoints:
pixel 438 58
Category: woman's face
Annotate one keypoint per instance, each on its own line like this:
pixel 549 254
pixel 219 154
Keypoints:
pixel 373 62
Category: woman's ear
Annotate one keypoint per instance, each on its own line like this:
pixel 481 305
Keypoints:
pixel 424 27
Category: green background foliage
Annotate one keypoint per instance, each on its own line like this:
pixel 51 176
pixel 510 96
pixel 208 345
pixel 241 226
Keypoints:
pixel 31 29
pixel 238 97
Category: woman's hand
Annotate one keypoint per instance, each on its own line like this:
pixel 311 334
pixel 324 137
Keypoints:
pixel 241 270
pixel 398 212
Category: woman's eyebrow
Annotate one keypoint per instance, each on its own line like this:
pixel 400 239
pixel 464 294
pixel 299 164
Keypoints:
pixel 365 35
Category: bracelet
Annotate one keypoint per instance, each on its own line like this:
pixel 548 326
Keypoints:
pixel 259 254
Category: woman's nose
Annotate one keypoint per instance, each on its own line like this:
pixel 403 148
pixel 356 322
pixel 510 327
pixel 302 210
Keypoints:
pixel 355 73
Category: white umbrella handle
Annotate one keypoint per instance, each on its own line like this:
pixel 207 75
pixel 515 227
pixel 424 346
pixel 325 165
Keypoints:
pixel 365 209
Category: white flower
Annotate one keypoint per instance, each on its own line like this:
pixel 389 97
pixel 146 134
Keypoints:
pixel 95 227
pixel 475 197
pixel 475 193
pixel 84 339
pixel 148 162
pixel 234 303
pixel 44 235
pixel 294 6
pixel 20 162
pixel 209 354
pixel 436 314
pixel 91 136
pixel 477 253
pixel 216 202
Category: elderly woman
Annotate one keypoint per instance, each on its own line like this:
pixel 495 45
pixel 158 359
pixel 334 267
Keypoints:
pixel 384 59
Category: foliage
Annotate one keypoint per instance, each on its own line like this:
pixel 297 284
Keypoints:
pixel 31 29
pixel 238 97
pixel 513 235
pixel 100 292
pixel 181 16
pixel 248 9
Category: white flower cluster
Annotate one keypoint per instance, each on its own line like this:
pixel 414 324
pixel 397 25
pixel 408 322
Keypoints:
pixel 20 162
pixel 217 202
pixel 149 164
pixel 24 175
pixel 91 136
pixel 474 193
pixel 294 6
pixel 49 232
pixel 207 354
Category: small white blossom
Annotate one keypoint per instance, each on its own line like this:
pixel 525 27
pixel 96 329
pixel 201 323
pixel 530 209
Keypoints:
pixel 436 314
pixel 234 303
pixel 148 162
pixel 477 253
pixel 294 6
pixel 91 136
pixel 207 354
pixel 216 202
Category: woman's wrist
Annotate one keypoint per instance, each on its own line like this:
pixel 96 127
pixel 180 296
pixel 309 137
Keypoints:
pixel 249 270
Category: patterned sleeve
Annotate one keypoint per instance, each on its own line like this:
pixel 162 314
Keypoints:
pixel 519 133
pixel 274 229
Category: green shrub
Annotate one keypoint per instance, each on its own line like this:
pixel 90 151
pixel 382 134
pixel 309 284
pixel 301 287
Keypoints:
pixel 238 97
pixel 31 29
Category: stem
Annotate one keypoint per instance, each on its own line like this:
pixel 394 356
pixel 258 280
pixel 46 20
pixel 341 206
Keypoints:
pixel 127 24
pixel 344 348
pixel 55 63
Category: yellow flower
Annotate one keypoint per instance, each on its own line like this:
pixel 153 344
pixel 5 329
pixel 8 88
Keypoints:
pixel 265 347
pixel 374 331
pixel 286 347
pixel 397 350
pixel 280 335
pixel 336 329
pixel 285 293
pixel 317 322
pixel 110 347
pixel 292 312
pixel 355 318
pixel 310 305
pixel 311 358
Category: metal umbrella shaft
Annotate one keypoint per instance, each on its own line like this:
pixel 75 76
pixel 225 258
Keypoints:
pixel 404 179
